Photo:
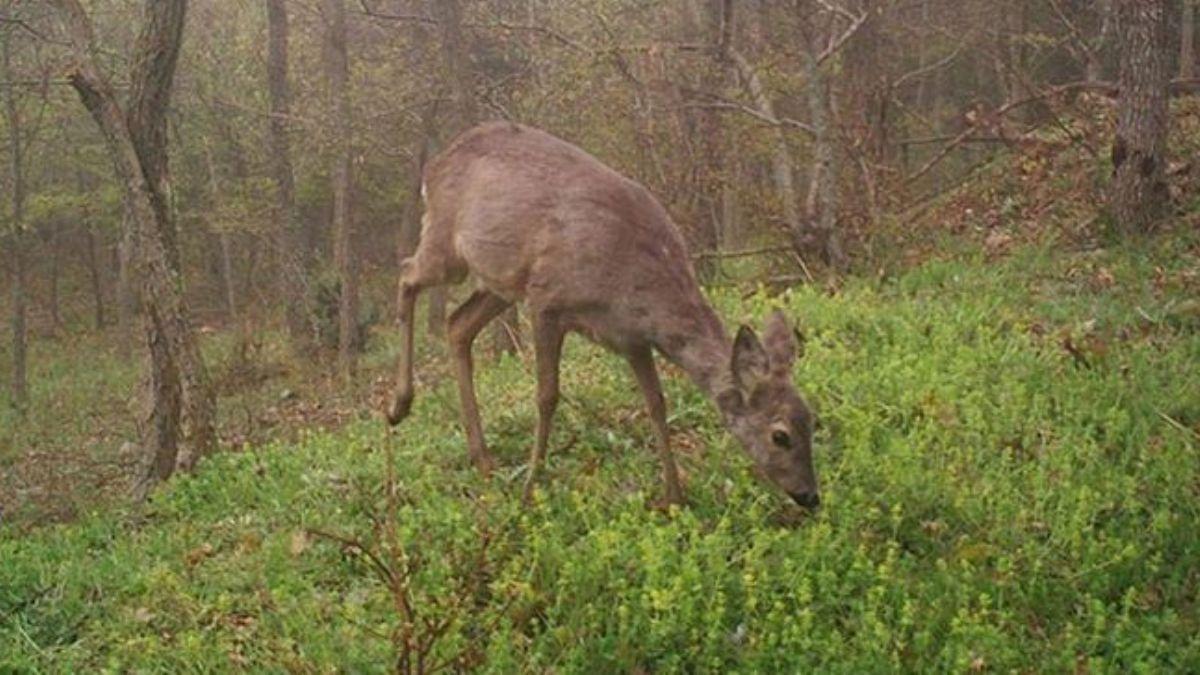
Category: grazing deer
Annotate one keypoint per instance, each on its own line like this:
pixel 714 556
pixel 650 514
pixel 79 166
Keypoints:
pixel 533 218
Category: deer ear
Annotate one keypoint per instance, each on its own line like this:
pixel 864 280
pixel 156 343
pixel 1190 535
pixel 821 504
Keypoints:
pixel 779 342
pixel 750 361
pixel 730 401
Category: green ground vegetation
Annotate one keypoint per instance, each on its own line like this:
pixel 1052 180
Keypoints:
pixel 1010 471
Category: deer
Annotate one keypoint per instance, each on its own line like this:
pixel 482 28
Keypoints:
pixel 532 218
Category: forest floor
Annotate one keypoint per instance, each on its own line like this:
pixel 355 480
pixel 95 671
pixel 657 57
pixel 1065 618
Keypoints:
pixel 1009 458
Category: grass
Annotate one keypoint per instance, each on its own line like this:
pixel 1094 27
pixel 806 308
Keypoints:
pixel 1010 479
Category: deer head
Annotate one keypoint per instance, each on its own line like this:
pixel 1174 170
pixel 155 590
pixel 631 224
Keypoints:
pixel 766 414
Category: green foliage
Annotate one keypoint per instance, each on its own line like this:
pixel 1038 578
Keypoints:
pixel 993 500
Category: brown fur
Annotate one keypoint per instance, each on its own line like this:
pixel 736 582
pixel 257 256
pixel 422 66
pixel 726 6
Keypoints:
pixel 535 219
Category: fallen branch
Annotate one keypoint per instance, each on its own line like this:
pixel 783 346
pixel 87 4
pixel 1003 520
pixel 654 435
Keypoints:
pixel 745 253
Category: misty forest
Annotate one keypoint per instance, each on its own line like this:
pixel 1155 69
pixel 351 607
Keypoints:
pixel 599 336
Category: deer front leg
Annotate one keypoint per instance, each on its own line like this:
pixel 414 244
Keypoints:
pixel 548 337
pixel 464 324
pixel 642 362
pixel 403 397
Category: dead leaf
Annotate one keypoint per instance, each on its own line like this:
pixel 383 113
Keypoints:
pixel 300 543
pixel 249 542
pixel 198 555
pixel 997 242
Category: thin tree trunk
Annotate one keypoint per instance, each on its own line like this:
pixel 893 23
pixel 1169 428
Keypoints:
pixel 705 134
pixel 1098 50
pixel 53 243
pixel 1187 41
pixel 20 386
pixel 224 244
pixel 231 302
pixel 731 226
pixel 804 234
pixel 290 249
pixel 337 72
pixel 454 56
pixel 91 251
pixel 782 169
pixel 1139 195
pixel 136 139
pixel 824 198
pixel 922 61
pixel 97 284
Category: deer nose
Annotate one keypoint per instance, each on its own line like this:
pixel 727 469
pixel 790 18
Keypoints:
pixel 809 500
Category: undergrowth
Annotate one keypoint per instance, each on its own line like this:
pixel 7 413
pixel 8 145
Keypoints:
pixel 1008 457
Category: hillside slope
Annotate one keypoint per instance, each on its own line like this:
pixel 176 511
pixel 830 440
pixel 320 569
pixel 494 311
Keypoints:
pixel 1009 457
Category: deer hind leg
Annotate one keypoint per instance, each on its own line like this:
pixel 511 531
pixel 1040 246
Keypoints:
pixel 642 362
pixel 464 324
pixel 548 335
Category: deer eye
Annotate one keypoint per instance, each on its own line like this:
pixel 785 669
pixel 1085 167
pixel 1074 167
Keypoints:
pixel 781 439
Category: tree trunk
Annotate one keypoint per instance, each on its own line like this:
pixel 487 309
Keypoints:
pixel 291 258
pixel 1187 41
pixel 91 250
pixel 781 158
pixel 824 198
pixel 20 386
pixel 1012 18
pixel 224 243
pixel 337 73
pixel 53 243
pixel 136 139
pixel 807 235
pixel 1139 195
pixel 93 261
pixel 454 55
pixel 702 127
pixel 1097 52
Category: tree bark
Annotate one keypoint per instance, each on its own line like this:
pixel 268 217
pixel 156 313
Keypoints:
pixel 19 385
pixel 181 428
pixel 53 242
pixel 97 285
pixel 450 21
pixel 824 197
pixel 224 244
pixel 1098 49
pixel 291 258
pixel 1187 41
pixel 337 73
pixel 807 234
pixel 1139 195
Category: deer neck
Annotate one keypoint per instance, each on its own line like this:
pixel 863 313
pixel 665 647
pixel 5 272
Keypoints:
pixel 701 347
